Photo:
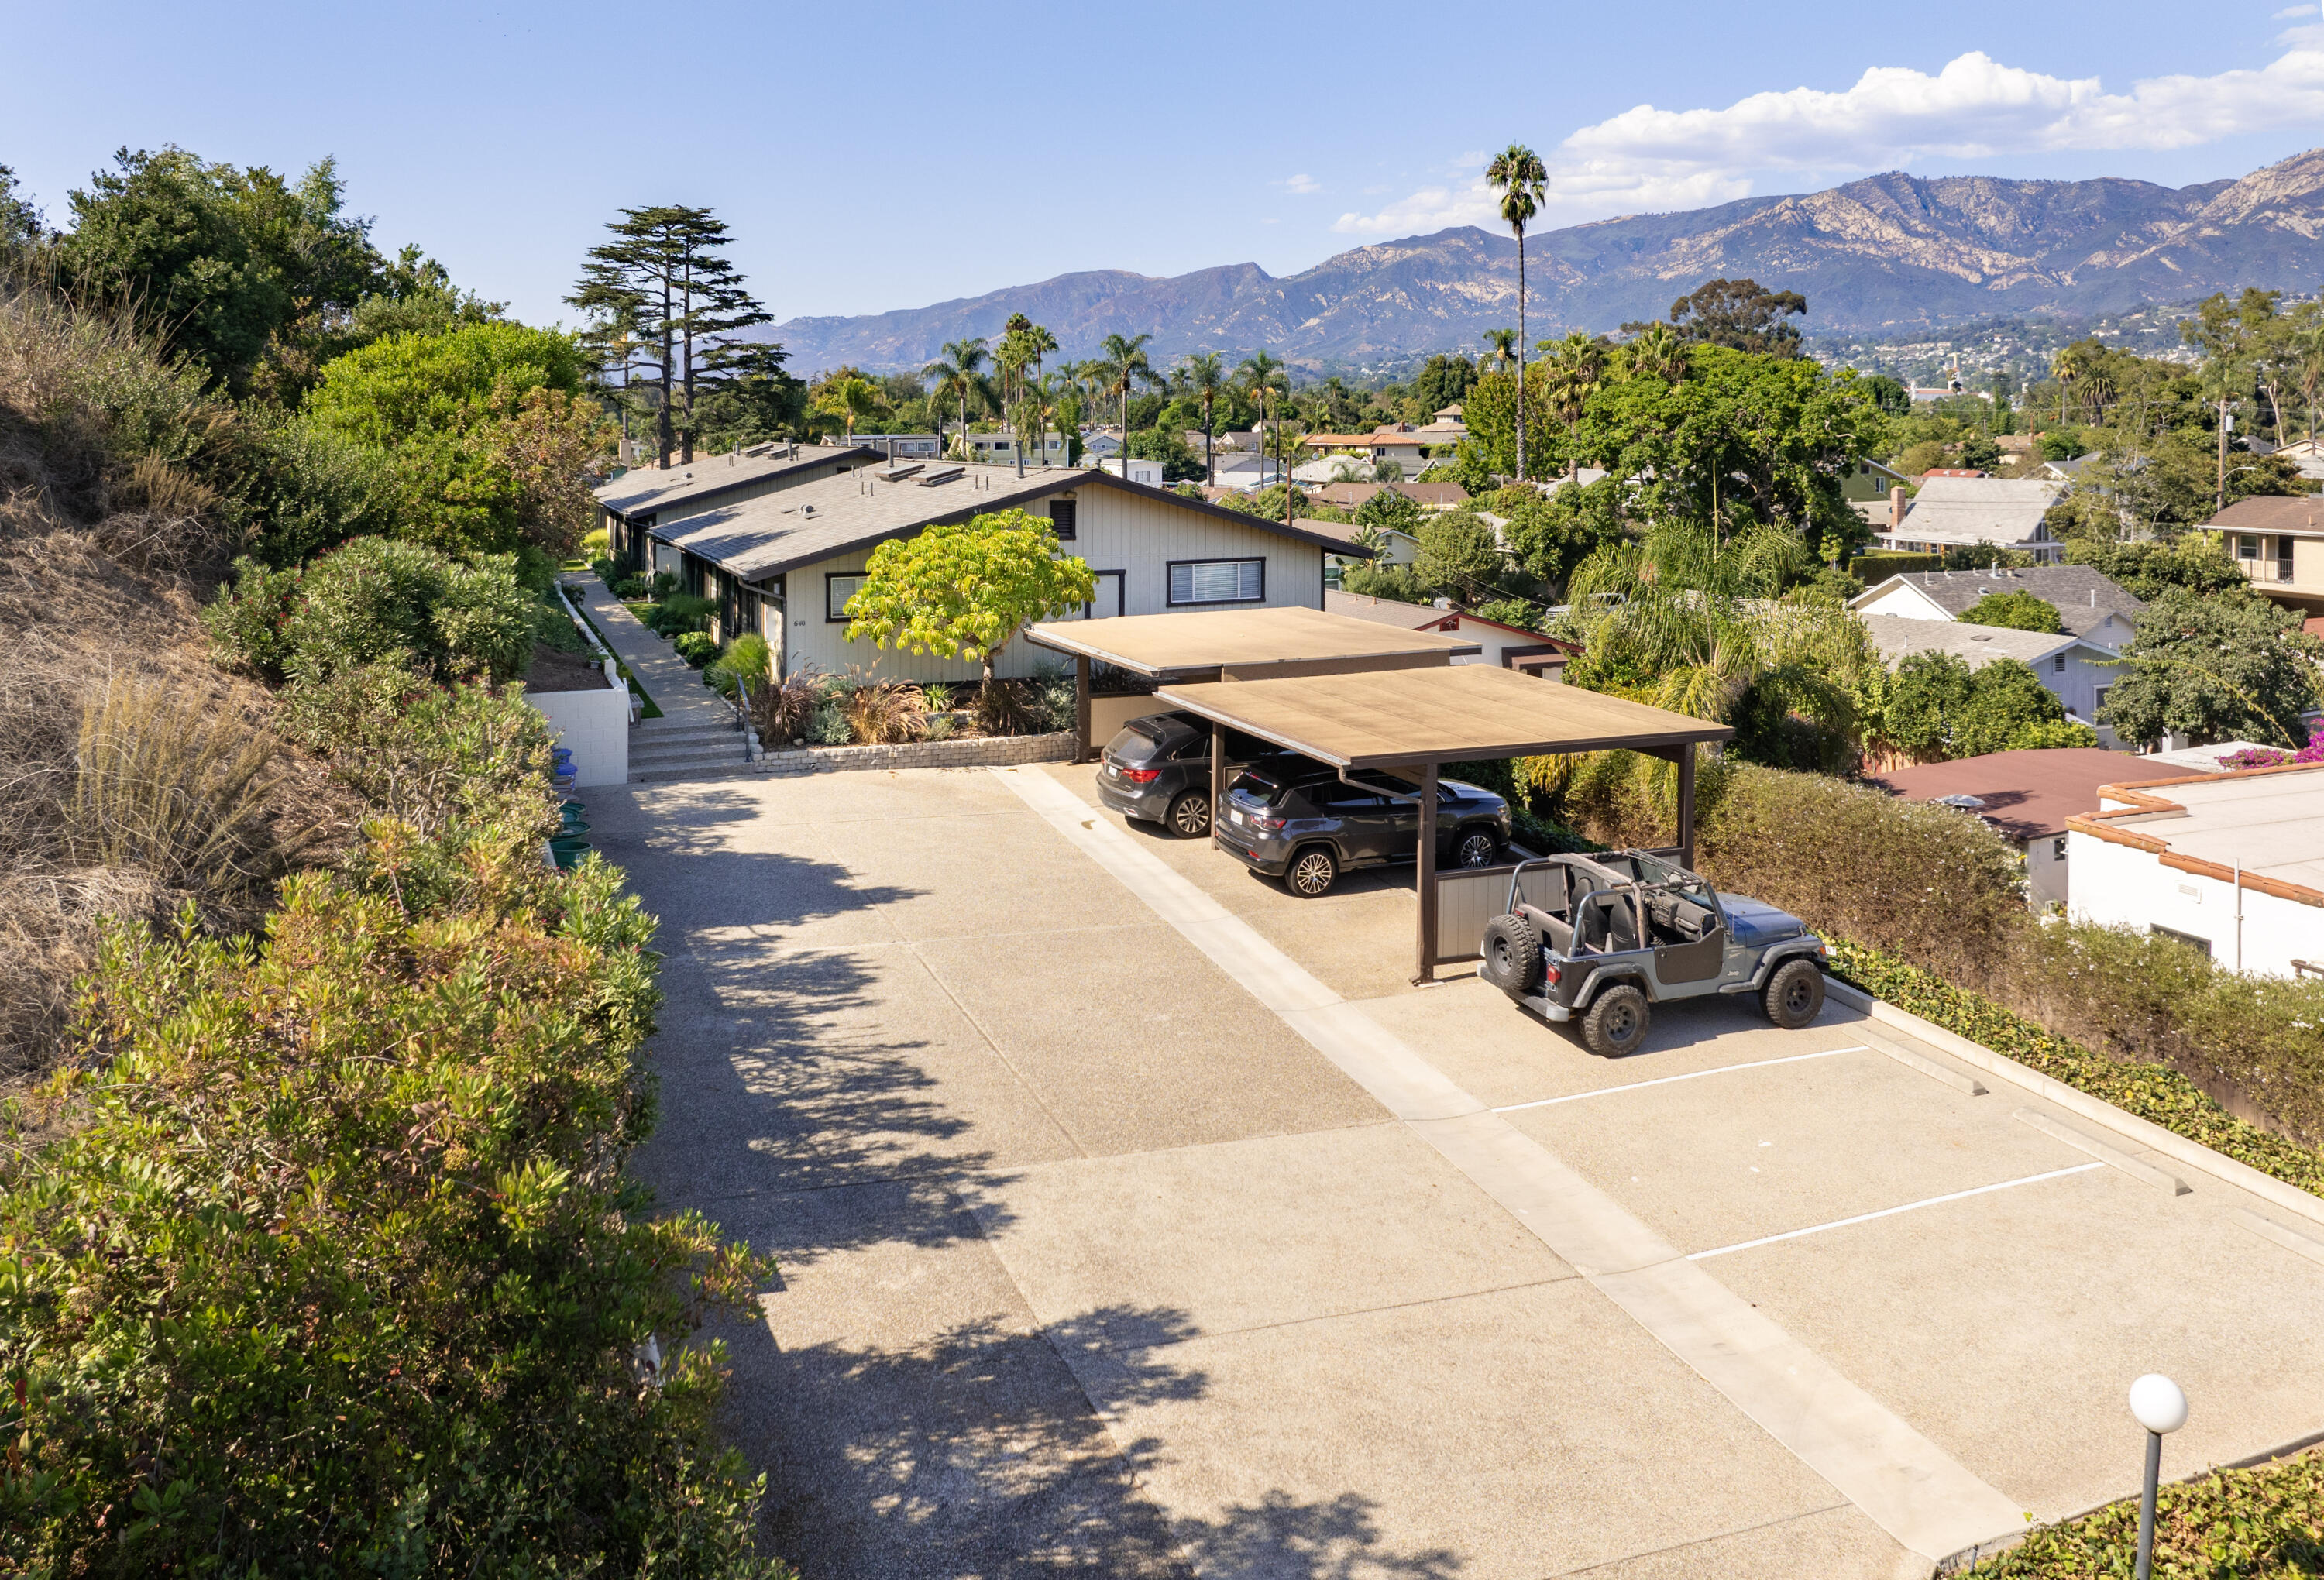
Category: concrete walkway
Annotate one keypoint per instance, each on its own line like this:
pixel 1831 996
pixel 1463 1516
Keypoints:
pixel 698 735
pixel 1134 1218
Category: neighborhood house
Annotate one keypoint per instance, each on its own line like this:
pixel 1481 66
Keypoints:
pixel 1505 646
pixel 2279 543
pixel 784 563
pixel 2074 670
pixel 1963 512
pixel 2091 606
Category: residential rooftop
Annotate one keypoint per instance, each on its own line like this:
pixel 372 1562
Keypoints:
pixel 1895 637
pixel 649 488
pixel 2267 822
pixel 1978 510
pixel 2273 513
pixel 2082 597
pixel 2028 795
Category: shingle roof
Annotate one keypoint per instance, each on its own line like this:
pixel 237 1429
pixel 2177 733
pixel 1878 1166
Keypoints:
pixel 651 489
pixel 1979 510
pixel 2273 513
pixel 757 538
pixel 1893 636
pixel 2082 597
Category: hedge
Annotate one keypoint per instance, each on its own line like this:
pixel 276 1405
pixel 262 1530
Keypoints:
pixel 2254 1524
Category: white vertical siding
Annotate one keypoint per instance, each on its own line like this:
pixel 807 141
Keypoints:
pixel 1133 534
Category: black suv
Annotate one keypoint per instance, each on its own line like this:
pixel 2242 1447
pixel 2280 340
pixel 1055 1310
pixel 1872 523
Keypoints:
pixel 1157 770
pixel 1294 819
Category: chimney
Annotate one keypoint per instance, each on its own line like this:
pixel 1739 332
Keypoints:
pixel 1895 507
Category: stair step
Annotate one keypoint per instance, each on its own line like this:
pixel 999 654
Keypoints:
pixel 686 733
pixel 722 769
pixel 663 759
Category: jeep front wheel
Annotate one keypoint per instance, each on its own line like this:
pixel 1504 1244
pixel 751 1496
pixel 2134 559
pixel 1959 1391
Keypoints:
pixel 1793 996
pixel 1616 1022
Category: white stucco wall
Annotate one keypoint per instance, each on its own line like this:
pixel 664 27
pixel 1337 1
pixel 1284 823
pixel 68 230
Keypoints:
pixel 1136 536
pixel 2116 884
pixel 594 727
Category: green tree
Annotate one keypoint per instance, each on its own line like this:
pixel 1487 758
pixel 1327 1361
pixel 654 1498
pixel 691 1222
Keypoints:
pixel 1574 367
pixel 957 375
pixel 1501 346
pixel 228 262
pixel 665 278
pixel 1741 315
pixel 1458 555
pixel 1550 536
pixel 1518 174
pixel 2216 666
pixel 20 223
pixel 2016 612
pixel 2010 710
pixel 2144 569
pixel 964 590
pixel 1935 708
pixel 851 399
pixel 1393 510
pixel 1126 370
pixel 392 389
pixel 1267 381
pixel 1204 375
pixel 1444 380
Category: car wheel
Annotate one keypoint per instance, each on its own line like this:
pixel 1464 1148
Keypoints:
pixel 1616 1022
pixel 1512 954
pixel 1477 848
pixel 1312 872
pixel 1793 993
pixel 1189 817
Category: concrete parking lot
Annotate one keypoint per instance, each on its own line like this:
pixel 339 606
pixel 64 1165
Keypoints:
pixel 1136 1217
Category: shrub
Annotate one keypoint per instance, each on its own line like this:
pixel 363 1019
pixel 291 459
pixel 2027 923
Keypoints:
pixel 423 754
pixel 661 586
pixel 1000 709
pixel 783 710
pixel 696 647
pixel 679 612
pixel 631 588
pixel 604 569
pixel 247 625
pixel 373 597
pixel 881 713
pixel 596 542
pixel 371 1281
pixel 828 725
pixel 1052 702
pixel 2021 611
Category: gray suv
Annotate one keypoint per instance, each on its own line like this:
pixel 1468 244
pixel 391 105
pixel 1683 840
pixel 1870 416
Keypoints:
pixel 1294 819
pixel 1157 770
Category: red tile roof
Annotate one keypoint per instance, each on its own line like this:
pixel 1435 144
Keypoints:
pixel 2030 795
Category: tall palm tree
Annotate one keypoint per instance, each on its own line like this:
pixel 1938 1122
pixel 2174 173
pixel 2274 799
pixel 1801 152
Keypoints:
pixel 2066 367
pixel 1263 377
pixel 1517 173
pixel 851 400
pixel 960 373
pixel 1205 373
pixel 1503 345
pixel 1126 368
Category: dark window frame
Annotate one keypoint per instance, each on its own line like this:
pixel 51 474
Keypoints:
pixel 1121 596
pixel 1170 580
pixel 829 578
pixel 1069 529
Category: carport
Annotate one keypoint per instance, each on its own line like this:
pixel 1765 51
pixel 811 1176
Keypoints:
pixel 1408 722
pixel 1234 644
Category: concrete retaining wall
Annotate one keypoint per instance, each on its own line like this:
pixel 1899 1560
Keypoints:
pixel 982 752
pixel 594 727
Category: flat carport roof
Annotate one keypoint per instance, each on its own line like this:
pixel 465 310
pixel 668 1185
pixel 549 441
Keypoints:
pixel 1421 719
pixel 1203 642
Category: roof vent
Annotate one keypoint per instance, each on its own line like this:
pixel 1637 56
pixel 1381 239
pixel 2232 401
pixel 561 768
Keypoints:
pixel 806 509
pixel 898 473
pixel 1965 803
pixel 942 474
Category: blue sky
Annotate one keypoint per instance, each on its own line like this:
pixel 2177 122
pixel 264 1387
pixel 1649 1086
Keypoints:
pixel 892 156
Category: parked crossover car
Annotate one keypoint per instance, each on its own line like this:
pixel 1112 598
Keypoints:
pixel 1294 819
pixel 1157 770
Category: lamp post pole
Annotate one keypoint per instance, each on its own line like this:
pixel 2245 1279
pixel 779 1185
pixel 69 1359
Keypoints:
pixel 2160 1407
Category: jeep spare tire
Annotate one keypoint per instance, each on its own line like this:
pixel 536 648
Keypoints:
pixel 1616 1022
pixel 1793 996
pixel 1512 955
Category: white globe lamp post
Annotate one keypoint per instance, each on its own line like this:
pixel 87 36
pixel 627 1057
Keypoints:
pixel 2159 1405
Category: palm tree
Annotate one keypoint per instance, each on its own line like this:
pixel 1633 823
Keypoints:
pixel 1502 346
pixel 1126 368
pixel 1575 363
pixel 1205 376
pixel 2065 367
pixel 1520 178
pixel 1658 353
pixel 850 399
pixel 958 373
pixel 1263 377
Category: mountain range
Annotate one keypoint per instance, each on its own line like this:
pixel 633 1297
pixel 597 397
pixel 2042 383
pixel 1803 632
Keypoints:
pixel 1888 253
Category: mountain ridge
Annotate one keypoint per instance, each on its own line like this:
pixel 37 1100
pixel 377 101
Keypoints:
pixel 1885 252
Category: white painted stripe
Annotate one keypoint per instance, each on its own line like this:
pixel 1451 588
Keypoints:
pixel 1866 1218
pixel 1904 1483
pixel 1639 1086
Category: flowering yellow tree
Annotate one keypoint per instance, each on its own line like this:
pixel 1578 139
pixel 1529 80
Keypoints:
pixel 962 589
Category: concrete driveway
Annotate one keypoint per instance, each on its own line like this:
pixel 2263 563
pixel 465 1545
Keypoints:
pixel 1137 1219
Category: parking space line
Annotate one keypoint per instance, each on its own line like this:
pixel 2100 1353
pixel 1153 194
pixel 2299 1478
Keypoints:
pixel 1866 1218
pixel 1904 1483
pixel 1639 1086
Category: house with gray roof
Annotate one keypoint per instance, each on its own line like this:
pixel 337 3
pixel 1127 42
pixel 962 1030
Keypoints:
pixel 785 564
pixel 2090 605
pixel 2074 670
pixel 631 505
pixel 1965 512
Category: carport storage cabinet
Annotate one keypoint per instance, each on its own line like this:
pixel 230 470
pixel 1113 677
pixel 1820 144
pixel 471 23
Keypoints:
pixel 1130 540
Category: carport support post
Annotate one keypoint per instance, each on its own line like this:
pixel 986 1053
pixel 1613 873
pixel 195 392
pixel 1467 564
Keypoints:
pixel 1085 749
pixel 1425 861
pixel 1686 806
pixel 1218 776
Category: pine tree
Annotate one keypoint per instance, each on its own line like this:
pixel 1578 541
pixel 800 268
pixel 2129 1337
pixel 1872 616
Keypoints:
pixel 664 279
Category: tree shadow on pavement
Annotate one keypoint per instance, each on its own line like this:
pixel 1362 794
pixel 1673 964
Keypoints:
pixel 978 1453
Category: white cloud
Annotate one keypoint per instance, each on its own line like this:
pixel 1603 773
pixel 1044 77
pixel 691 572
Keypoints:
pixel 2307 10
pixel 1646 159
pixel 1302 184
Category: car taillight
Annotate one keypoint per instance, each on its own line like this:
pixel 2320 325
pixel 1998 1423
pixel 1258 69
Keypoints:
pixel 1550 975
pixel 1139 776
pixel 1265 821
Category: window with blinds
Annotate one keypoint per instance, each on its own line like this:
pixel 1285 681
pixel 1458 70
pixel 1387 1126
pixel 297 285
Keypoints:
pixel 1218 581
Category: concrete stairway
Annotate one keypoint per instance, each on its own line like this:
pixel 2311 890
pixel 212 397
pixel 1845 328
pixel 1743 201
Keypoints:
pixel 687 748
